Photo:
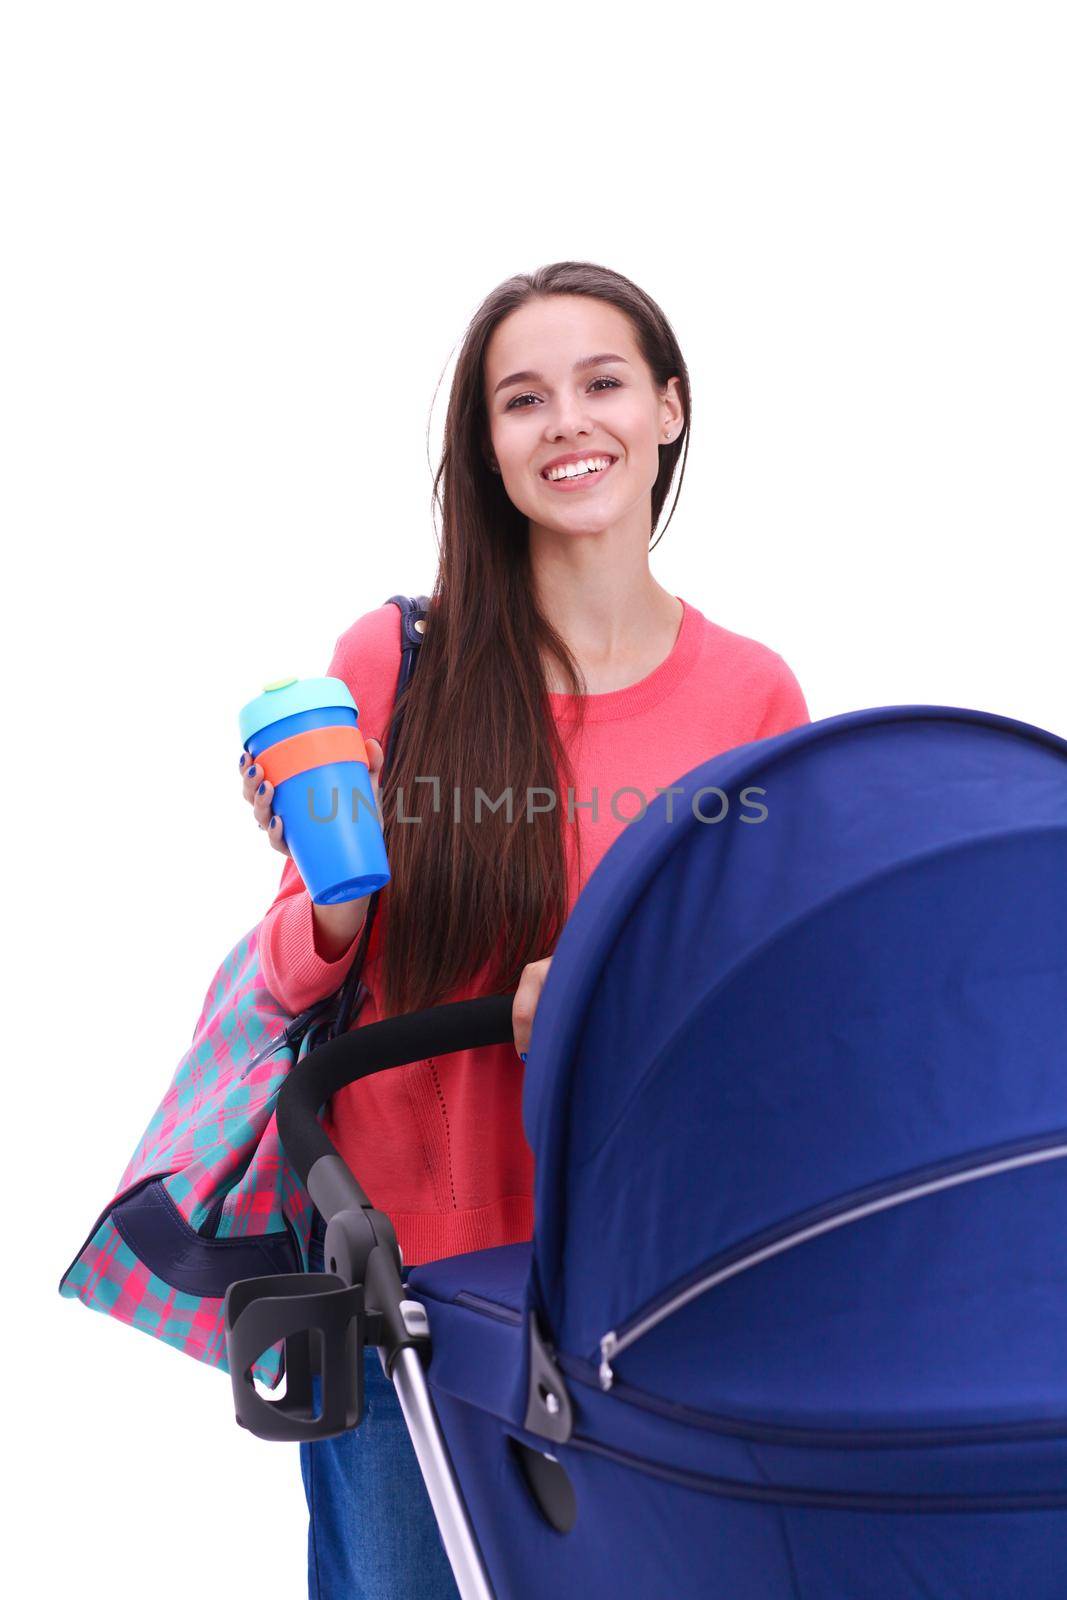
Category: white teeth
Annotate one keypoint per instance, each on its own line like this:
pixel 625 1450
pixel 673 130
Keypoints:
pixel 576 469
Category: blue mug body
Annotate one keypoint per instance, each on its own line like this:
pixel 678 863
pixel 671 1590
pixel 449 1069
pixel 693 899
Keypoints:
pixel 331 825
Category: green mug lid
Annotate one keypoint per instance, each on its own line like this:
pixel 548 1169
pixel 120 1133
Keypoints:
pixel 288 696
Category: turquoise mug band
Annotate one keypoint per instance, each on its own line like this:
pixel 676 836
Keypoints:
pixel 288 698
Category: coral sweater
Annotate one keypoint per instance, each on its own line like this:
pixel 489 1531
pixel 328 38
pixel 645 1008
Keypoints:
pixel 439 1144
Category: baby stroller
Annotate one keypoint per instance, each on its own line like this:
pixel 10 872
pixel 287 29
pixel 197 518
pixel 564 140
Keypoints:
pixel 794 1319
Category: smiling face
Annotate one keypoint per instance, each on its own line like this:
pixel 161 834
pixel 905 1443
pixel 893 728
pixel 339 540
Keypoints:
pixel 548 403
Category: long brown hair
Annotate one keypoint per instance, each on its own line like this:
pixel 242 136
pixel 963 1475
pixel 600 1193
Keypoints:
pixel 489 896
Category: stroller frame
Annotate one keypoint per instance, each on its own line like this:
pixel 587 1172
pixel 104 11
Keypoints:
pixel 362 1299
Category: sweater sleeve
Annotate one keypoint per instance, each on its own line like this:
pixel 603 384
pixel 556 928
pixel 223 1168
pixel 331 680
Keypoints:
pixel 367 659
pixel 786 707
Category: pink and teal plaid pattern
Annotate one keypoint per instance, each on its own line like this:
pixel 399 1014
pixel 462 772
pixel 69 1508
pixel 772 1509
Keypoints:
pixel 213 1145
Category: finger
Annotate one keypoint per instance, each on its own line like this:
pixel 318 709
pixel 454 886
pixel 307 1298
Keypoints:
pixel 251 778
pixel 522 1010
pixel 262 800
pixel 376 759
pixel 276 835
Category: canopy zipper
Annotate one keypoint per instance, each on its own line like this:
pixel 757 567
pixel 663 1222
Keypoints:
pixel 613 1343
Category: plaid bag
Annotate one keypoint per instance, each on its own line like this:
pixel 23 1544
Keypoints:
pixel 208 1196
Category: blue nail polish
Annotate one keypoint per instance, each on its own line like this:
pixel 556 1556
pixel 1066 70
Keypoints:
pixel 251 772
pixel 522 1055
pixel 242 761
pixel 262 788
pixel 273 820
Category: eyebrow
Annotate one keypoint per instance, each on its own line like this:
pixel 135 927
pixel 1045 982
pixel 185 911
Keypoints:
pixel 579 366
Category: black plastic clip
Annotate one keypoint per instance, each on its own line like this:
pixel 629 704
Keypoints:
pixel 548 1405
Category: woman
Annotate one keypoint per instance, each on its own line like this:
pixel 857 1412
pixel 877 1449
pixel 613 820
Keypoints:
pixel 553 667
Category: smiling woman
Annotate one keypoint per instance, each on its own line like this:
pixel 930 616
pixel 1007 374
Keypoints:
pixel 553 664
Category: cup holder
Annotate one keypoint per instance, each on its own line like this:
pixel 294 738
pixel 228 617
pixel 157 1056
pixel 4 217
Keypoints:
pixel 321 1321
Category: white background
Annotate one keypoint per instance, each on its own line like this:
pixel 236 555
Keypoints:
pixel 242 245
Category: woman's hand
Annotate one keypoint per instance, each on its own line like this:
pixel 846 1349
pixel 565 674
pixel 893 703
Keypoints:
pixel 335 928
pixel 524 1004
pixel 259 793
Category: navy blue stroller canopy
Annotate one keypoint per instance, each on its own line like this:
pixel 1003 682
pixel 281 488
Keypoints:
pixel 754 1030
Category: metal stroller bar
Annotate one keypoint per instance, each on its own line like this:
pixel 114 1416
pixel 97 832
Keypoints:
pixel 361 1297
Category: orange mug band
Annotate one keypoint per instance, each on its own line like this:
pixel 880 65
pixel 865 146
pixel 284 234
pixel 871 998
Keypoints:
pixel 318 747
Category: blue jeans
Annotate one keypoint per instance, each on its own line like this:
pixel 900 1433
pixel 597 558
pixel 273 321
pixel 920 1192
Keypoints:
pixel 372 1534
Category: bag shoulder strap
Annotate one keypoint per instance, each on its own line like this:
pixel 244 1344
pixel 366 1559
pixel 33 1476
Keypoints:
pixel 413 611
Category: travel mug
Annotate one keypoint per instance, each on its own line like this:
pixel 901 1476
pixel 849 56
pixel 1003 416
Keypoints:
pixel 304 734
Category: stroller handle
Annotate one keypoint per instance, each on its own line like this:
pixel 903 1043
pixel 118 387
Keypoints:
pixel 361 1299
pixel 436 1031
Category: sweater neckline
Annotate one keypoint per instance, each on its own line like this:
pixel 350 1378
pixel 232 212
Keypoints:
pixel 639 696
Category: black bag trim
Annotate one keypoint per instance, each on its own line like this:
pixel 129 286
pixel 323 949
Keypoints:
pixel 160 1237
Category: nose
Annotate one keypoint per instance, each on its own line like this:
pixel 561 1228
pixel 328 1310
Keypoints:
pixel 569 418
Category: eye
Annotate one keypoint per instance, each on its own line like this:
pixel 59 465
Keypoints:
pixel 612 382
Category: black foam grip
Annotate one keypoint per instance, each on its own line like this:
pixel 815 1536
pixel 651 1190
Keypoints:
pixel 437 1031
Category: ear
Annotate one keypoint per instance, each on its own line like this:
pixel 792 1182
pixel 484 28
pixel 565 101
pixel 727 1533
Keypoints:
pixel 673 410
